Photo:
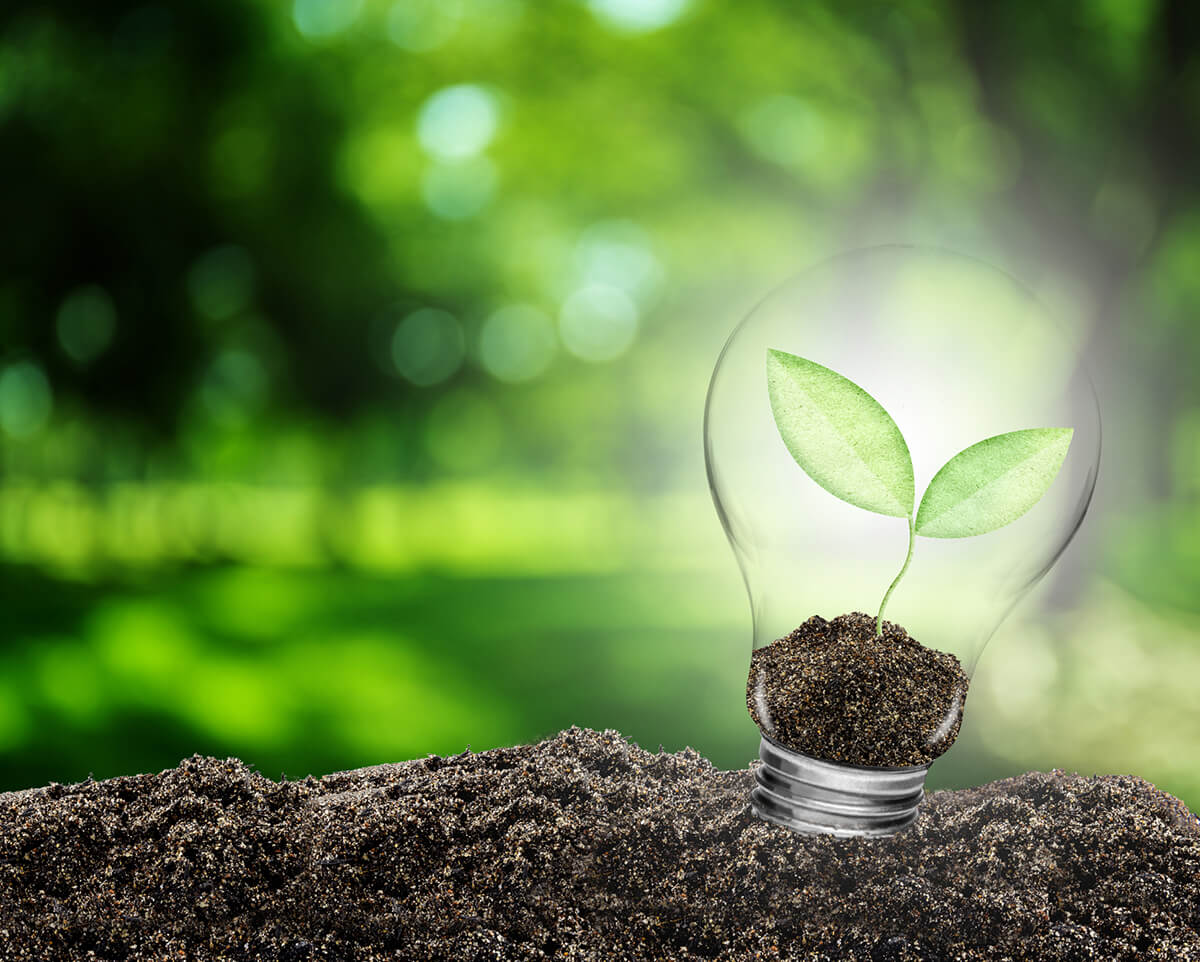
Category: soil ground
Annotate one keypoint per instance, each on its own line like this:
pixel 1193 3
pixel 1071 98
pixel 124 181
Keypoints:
pixel 587 847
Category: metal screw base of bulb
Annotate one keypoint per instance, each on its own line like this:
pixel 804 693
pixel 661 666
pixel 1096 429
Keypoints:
pixel 827 798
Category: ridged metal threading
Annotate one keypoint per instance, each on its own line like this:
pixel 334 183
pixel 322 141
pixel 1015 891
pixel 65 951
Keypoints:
pixel 827 798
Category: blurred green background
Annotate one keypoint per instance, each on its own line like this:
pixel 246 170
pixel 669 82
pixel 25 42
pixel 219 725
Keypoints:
pixel 353 356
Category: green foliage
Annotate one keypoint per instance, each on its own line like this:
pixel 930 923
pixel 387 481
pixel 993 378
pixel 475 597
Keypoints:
pixel 321 670
pixel 846 442
pixel 992 483
pixel 840 435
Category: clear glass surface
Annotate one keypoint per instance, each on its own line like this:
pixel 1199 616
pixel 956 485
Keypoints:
pixel 956 351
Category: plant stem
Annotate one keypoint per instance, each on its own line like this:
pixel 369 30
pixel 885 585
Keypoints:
pixel 912 537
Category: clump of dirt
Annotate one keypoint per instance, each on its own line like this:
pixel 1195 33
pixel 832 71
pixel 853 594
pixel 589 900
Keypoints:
pixel 833 690
pixel 583 846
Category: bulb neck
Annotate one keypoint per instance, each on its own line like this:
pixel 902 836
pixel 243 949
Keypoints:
pixel 817 797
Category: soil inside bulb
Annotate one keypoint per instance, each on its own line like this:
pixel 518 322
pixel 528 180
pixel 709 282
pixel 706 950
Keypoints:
pixel 833 690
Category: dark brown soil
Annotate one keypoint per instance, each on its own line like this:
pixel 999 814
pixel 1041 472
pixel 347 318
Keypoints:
pixel 833 690
pixel 584 847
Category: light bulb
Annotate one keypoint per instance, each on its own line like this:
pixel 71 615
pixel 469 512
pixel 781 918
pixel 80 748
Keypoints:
pixel 810 484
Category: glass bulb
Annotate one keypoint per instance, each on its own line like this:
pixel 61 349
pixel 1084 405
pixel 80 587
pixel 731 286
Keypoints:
pixel 955 352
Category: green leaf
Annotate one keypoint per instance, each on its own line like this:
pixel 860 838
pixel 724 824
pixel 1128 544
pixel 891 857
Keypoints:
pixel 840 435
pixel 992 483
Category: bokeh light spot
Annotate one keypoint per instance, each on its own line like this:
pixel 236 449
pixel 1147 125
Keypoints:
pixel 598 323
pixel 458 122
pixel 422 25
pixel 784 129
pixel 638 15
pixel 517 343
pixel 85 323
pixel 25 400
pixel 235 385
pixel 618 254
pixel 324 18
pixel 428 346
pixel 458 190
pixel 221 282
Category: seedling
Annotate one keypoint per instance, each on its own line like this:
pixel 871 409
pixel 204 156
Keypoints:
pixel 846 442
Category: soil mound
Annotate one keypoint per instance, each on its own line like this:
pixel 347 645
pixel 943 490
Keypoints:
pixel 833 690
pixel 583 846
